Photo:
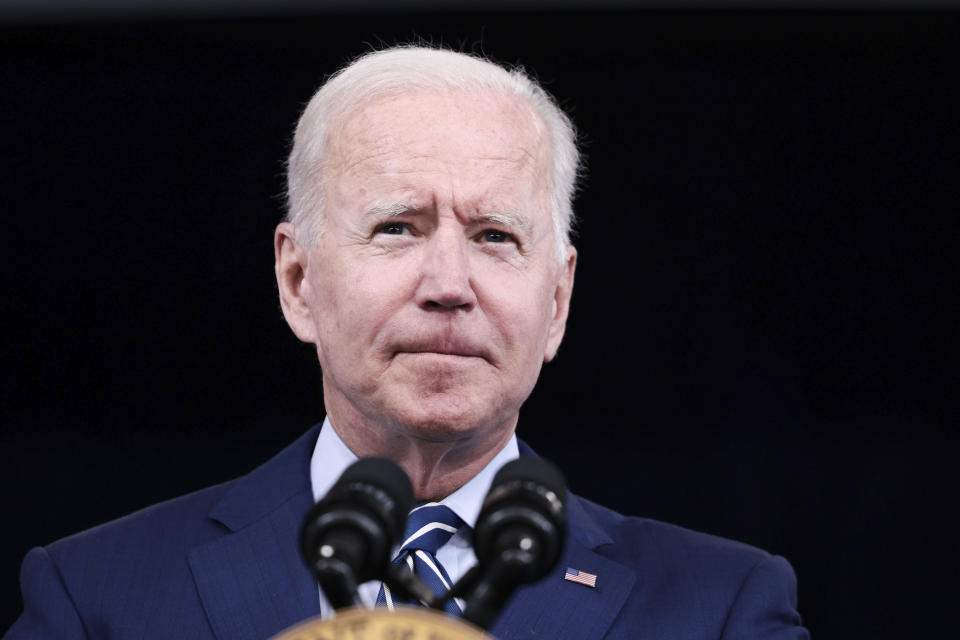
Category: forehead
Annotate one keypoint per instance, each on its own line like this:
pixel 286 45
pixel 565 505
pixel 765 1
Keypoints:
pixel 458 131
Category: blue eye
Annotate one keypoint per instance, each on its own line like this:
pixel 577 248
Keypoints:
pixel 392 228
pixel 492 235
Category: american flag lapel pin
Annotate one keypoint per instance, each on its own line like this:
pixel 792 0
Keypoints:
pixel 580 577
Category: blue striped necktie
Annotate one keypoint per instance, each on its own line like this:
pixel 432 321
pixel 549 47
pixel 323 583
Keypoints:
pixel 429 527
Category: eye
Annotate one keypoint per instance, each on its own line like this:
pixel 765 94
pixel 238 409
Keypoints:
pixel 495 235
pixel 392 228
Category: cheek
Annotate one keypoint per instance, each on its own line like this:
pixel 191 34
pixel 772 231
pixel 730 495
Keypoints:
pixel 353 301
pixel 523 315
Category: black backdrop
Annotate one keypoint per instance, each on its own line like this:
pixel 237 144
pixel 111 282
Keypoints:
pixel 763 336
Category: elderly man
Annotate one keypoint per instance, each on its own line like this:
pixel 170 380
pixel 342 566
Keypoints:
pixel 426 256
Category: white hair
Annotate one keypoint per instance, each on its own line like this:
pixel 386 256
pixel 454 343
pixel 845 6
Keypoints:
pixel 410 68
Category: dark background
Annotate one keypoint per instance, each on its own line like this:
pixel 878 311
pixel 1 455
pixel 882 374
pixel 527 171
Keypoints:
pixel 763 337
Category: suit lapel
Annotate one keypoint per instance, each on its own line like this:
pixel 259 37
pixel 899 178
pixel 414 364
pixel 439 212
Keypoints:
pixel 252 581
pixel 558 608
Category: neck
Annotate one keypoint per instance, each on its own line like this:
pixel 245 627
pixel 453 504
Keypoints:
pixel 436 467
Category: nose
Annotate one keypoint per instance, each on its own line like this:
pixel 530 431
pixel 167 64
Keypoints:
pixel 445 279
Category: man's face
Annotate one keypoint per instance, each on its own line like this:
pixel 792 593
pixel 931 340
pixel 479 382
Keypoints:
pixel 434 290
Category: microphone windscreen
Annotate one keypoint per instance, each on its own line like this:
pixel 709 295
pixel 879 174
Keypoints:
pixel 530 469
pixel 386 480
pixel 526 500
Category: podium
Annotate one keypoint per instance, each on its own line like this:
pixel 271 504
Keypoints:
pixel 404 623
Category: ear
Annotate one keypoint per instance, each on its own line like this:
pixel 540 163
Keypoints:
pixel 290 266
pixel 561 304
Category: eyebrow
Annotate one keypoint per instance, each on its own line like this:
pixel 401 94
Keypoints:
pixel 389 210
pixel 507 218
pixel 394 209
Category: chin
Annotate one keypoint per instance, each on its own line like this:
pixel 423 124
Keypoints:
pixel 446 419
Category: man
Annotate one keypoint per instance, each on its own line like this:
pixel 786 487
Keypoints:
pixel 427 257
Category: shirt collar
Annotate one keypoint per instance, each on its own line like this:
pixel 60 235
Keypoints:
pixel 331 457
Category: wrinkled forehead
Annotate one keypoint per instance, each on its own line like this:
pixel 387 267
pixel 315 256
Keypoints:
pixel 458 124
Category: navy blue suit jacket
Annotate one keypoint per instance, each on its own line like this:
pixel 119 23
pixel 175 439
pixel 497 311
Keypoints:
pixel 223 563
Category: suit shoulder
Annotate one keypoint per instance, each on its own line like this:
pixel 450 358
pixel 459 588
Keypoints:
pixel 116 575
pixel 643 540
pixel 178 522
pixel 703 584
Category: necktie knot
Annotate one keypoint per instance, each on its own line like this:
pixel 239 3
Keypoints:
pixel 429 527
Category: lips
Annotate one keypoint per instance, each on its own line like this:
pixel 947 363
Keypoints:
pixel 457 346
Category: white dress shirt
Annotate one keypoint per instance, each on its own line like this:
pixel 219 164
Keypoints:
pixel 330 459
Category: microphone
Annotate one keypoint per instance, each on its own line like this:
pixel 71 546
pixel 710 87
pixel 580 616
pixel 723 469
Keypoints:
pixel 347 536
pixel 518 538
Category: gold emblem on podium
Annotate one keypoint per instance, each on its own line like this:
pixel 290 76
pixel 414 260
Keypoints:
pixel 404 623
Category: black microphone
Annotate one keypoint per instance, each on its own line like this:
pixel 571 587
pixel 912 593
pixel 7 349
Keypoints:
pixel 518 538
pixel 347 536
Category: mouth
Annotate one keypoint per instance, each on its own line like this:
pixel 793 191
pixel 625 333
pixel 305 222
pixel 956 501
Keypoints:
pixel 442 354
pixel 449 349
pixel 437 357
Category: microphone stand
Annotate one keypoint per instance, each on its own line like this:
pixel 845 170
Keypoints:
pixel 336 579
pixel 486 590
pixel 409 586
